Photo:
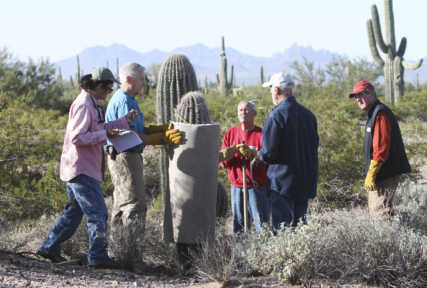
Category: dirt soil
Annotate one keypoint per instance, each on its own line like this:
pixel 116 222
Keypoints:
pixel 30 270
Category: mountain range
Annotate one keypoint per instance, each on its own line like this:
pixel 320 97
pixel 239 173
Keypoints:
pixel 206 61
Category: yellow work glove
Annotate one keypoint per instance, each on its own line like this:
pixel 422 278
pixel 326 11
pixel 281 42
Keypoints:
pixel 169 137
pixel 227 153
pixel 245 151
pixel 156 128
pixel 374 168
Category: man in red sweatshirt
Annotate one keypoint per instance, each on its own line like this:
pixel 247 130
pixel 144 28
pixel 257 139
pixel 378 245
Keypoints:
pixel 232 155
pixel 384 152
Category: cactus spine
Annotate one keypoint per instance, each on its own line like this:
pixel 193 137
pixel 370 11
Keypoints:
pixel 192 109
pixel 224 85
pixel 176 78
pixel 394 64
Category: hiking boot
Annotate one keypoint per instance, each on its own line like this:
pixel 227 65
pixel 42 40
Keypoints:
pixel 109 264
pixel 53 258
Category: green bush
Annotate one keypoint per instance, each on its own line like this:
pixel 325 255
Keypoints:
pixel 30 147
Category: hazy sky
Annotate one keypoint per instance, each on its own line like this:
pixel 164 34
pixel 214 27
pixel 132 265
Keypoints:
pixel 58 29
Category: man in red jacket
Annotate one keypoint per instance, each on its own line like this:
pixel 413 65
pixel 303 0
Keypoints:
pixel 232 155
pixel 384 152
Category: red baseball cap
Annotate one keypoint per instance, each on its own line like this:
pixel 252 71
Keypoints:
pixel 359 87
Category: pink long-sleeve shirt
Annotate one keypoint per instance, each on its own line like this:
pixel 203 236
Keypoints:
pixel 85 136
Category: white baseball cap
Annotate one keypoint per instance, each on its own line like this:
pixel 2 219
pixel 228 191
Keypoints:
pixel 280 80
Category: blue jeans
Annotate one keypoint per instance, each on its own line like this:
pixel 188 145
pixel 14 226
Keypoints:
pixel 286 210
pixel 259 207
pixel 84 195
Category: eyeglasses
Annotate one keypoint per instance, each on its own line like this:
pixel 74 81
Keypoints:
pixel 108 89
pixel 363 93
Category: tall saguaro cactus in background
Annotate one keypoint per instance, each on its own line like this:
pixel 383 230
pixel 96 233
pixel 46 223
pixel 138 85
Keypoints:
pixel 176 78
pixel 394 64
pixel 224 84
pixel 261 75
pixel 78 70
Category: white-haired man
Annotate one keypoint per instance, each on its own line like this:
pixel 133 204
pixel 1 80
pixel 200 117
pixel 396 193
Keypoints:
pixel 232 155
pixel 126 168
pixel 289 147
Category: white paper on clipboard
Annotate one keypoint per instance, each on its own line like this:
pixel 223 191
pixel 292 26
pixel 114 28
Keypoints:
pixel 124 140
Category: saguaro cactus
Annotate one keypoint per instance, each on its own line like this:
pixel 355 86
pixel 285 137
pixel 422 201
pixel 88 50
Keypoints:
pixel 224 84
pixel 78 70
pixel 394 64
pixel 192 109
pixel 261 75
pixel 176 78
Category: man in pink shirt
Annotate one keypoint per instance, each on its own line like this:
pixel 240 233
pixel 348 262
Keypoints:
pixel 82 167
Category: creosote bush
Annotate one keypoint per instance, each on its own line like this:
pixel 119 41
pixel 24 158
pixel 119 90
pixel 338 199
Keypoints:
pixel 347 246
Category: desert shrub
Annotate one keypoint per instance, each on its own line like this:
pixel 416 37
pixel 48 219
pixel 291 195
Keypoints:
pixel 347 246
pixel 413 105
pixel 410 204
pixel 30 143
pixel 222 258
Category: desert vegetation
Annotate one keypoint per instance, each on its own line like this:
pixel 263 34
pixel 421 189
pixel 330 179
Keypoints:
pixel 340 243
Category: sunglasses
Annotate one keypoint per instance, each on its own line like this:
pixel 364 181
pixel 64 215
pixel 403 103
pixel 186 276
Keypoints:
pixel 363 93
pixel 108 89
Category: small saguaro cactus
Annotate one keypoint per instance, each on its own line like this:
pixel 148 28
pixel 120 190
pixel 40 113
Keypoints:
pixel 78 70
pixel 261 75
pixel 224 84
pixel 176 78
pixel 192 109
pixel 394 64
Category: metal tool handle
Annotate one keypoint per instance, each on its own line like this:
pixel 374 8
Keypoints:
pixel 245 195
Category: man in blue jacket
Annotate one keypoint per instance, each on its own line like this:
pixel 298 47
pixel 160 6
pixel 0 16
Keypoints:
pixel 289 147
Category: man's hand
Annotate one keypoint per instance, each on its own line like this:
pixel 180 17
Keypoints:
pixel 132 116
pixel 374 168
pixel 246 151
pixel 227 153
pixel 111 133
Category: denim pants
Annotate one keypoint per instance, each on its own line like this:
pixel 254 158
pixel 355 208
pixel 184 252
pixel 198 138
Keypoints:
pixel 286 210
pixel 84 195
pixel 259 206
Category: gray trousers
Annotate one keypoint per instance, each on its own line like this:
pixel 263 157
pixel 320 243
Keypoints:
pixel 129 208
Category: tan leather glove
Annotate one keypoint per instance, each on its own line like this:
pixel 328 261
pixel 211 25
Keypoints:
pixel 156 128
pixel 169 137
pixel 247 152
pixel 374 168
pixel 227 153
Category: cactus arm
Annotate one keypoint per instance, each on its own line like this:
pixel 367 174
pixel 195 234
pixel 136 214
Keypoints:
pixel 389 25
pixel 377 29
pixel 402 47
pixel 412 65
pixel 372 44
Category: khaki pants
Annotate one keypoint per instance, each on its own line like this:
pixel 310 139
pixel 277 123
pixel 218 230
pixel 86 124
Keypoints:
pixel 129 208
pixel 380 201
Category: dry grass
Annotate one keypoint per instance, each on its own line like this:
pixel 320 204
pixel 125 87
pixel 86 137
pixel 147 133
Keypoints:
pixel 345 246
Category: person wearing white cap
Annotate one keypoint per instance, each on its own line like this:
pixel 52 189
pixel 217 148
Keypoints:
pixel 289 148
